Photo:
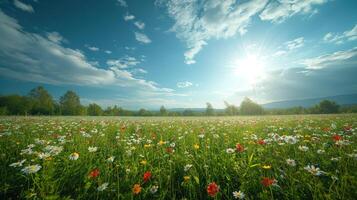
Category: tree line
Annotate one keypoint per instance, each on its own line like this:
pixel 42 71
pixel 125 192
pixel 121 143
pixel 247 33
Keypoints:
pixel 40 102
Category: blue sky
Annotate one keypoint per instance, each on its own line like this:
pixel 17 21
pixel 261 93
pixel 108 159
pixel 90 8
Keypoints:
pixel 179 53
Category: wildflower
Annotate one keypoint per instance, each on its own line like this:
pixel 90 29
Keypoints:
pixel 172 145
pixel 161 142
pixel 110 159
pixel 313 170
pixel 290 139
pixel 136 189
pixel 239 147
pixel 320 151
pixel 266 166
pixel 229 150
pixel 196 146
pixel 103 187
pixel 238 195
pixel 18 164
pixel 290 162
pixel 201 136
pixel 212 189
pixel 186 178
pixel 261 142
pixel 43 155
pixel 268 181
pixel 336 138
pixel 303 148
pixel 154 189
pixel 143 162
pixel 73 156
pixel 147 145
pixel 92 149
pixel 94 173
pixel 147 176
pixel 31 169
pixel 187 167
pixel 335 159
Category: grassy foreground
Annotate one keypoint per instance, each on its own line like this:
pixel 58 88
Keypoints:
pixel 271 157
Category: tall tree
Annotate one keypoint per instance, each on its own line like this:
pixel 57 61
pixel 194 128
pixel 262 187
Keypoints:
pixel 209 109
pixel 70 104
pixel 163 111
pixel 327 107
pixel 42 101
pixel 231 109
pixel 94 110
pixel 249 107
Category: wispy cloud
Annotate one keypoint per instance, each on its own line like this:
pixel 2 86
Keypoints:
pixel 184 84
pixel 129 17
pixel 348 35
pixel 23 6
pixel 196 23
pixel 31 57
pixel 124 62
pixel 294 44
pixel 140 25
pixel 122 3
pixel 108 52
pixel 279 11
pixel 92 48
pixel 333 59
pixel 55 37
pixel 142 38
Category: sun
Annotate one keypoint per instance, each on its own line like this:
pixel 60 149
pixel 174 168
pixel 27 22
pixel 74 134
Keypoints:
pixel 251 68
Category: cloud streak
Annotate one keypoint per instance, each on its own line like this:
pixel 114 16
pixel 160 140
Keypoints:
pixel 24 7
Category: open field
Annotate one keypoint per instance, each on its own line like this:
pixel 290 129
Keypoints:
pixel 269 157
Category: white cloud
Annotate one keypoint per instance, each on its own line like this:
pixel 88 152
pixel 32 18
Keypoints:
pixel 139 71
pixel 140 25
pixel 23 6
pixel 92 48
pixel 349 35
pixel 184 84
pixel 294 44
pixel 331 59
pixel 31 57
pixel 196 22
pixel 129 17
pixel 55 37
pixel 108 52
pixel 122 3
pixel 122 63
pixel 142 38
pixel 278 11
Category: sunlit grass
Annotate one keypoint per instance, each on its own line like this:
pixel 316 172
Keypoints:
pixel 286 157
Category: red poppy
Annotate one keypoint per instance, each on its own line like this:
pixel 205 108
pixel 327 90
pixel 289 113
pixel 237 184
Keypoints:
pixel 239 147
pixel 94 173
pixel 336 138
pixel 261 142
pixel 147 176
pixel 212 189
pixel 267 181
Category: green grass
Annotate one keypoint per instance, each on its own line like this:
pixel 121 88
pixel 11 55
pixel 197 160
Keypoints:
pixel 167 145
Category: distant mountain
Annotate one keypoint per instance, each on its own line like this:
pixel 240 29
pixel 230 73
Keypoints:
pixel 347 99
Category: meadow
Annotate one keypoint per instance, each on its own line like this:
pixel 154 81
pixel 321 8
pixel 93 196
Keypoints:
pixel 266 157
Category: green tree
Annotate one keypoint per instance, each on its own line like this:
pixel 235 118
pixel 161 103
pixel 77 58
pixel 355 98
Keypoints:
pixel 42 101
pixel 231 109
pixel 163 111
pixel 70 104
pixel 327 107
pixel 209 109
pixel 94 110
pixel 249 107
